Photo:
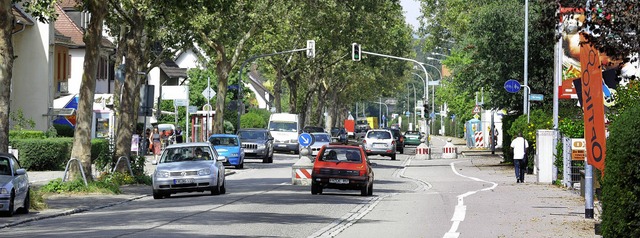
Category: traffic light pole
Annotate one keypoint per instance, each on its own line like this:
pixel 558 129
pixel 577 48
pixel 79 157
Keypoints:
pixel 310 53
pixel 426 91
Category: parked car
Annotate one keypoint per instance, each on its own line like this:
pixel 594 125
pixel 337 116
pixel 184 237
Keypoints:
pixel 257 143
pixel 399 138
pixel 320 139
pixel 189 167
pixel 228 146
pixel 342 167
pixel 380 142
pixel 14 186
pixel 312 129
pixel 412 138
pixel 339 135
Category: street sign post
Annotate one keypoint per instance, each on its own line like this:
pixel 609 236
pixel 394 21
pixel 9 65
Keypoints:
pixel 512 86
pixel 305 139
pixel 193 109
pixel 536 97
pixel 208 93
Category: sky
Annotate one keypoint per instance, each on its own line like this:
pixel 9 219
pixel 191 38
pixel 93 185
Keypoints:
pixel 411 10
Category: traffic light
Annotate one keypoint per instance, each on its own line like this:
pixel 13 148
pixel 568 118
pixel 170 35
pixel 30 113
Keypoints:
pixel 355 52
pixel 426 109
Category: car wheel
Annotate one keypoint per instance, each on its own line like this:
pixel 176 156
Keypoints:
pixel 157 195
pixel 314 188
pixel 240 166
pixel 11 205
pixel 270 159
pixel 393 157
pixel 216 190
pixel 364 191
pixel 223 188
pixel 370 189
pixel 27 203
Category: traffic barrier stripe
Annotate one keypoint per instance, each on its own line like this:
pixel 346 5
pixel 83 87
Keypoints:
pixel 303 173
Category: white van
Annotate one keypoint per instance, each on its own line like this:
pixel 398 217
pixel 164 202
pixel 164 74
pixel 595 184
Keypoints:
pixel 284 128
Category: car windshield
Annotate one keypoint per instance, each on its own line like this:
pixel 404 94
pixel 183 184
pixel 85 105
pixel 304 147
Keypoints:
pixel 379 135
pixel 191 153
pixel 341 155
pixel 322 138
pixel 5 168
pixel 283 126
pixel 224 141
pixel 252 135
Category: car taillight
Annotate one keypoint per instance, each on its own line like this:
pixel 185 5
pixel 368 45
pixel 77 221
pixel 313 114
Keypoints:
pixel 364 142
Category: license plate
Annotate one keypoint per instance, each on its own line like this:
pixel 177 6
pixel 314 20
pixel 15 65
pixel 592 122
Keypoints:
pixel 338 181
pixel 248 151
pixel 379 145
pixel 282 145
pixel 183 181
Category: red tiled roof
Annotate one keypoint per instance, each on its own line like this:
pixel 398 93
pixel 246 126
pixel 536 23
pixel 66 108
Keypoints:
pixel 68 3
pixel 65 25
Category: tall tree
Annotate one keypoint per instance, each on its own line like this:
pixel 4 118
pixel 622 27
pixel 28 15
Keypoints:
pixel 92 39
pixel 44 12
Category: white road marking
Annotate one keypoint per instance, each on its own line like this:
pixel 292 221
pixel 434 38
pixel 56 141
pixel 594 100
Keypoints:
pixel 461 209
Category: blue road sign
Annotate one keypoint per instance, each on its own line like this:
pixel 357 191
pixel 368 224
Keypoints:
pixel 512 86
pixel 305 139
pixel 535 97
pixel 432 115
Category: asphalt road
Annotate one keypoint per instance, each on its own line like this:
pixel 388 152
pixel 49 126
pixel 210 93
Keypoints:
pixel 412 198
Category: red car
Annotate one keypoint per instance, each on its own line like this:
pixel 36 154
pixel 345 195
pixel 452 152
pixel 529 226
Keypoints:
pixel 342 167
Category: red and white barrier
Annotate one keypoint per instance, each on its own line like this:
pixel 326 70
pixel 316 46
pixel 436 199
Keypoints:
pixel 303 173
pixel 422 151
pixel 479 139
pixel 449 151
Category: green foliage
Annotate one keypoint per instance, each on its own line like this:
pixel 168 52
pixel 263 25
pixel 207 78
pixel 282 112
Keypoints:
pixel 252 120
pixel 19 122
pixel 621 193
pixel 51 132
pixel 101 156
pixel 264 113
pixel 64 130
pixel 53 153
pixel 36 199
pixel 78 186
pixel 43 10
pixel 25 134
pixel 627 96
pixel 572 128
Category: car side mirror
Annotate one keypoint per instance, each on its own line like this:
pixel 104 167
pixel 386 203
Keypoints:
pixel 21 172
pixel 223 159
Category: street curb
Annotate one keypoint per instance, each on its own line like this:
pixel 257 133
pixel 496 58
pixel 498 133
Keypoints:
pixel 79 210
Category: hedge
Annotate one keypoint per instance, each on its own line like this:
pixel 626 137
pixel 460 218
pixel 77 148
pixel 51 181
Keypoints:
pixel 26 134
pixel 52 153
pixel 620 189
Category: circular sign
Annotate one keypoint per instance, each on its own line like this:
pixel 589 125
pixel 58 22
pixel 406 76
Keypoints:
pixel 512 86
pixel 305 139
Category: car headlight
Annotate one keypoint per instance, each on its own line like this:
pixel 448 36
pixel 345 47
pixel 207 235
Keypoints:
pixel 4 191
pixel 162 174
pixel 203 172
pixel 261 146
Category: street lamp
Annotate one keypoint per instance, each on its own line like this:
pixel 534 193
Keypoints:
pixel 436 59
pixel 425 88
pixel 387 107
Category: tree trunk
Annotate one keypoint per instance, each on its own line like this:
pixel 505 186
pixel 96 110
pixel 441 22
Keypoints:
pixel 131 91
pixel 84 115
pixel 6 66
pixel 222 71
pixel 277 91
pixel 293 92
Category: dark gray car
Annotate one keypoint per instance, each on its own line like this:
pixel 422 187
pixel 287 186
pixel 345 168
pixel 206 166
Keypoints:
pixel 257 143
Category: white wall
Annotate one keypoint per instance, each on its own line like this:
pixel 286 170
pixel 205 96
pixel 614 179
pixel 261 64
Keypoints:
pixel 188 59
pixel 32 87
pixel 486 125
pixel 77 61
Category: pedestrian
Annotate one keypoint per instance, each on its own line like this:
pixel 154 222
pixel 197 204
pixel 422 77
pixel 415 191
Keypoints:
pixel 178 135
pixel 154 139
pixel 519 145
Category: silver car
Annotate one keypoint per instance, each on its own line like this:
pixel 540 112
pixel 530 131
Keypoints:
pixel 380 142
pixel 14 186
pixel 189 167
pixel 320 139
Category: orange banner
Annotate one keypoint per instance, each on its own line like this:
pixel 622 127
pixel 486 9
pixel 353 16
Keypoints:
pixel 592 104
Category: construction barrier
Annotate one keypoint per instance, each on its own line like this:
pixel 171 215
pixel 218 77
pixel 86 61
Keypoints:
pixel 422 151
pixel 479 139
pixel 301 172
pixel 449 151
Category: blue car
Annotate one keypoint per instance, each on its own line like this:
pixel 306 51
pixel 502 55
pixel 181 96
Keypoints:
pixel 229 146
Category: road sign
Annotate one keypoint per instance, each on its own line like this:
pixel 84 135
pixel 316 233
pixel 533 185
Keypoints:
pixel 432 115
pixel 180 102
pixel 512 86
pixel 434 83
pixel 311 49
pixel 535 97
pixel 408 113
pixel 208 93
pixel 476 109
pixel 193 109
pixel 305 139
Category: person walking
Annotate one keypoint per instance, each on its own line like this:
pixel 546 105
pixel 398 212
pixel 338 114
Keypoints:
pixel 178 135
pixel 519 145
pixel 154 139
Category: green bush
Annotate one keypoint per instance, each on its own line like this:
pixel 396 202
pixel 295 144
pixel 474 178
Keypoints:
pixel 105 185
pixel 25 134
pixel 64 130
pixel 620 189
pixel 264 113
pixel 101 156
pixel 43 154
pixel 538 120
pixel 252 120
